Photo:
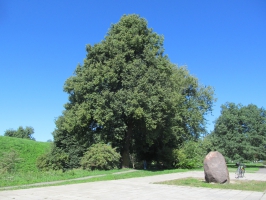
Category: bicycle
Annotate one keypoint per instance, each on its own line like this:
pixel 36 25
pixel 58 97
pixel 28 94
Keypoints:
pixel 240 172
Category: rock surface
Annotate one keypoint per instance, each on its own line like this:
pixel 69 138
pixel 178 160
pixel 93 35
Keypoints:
pixel 215 168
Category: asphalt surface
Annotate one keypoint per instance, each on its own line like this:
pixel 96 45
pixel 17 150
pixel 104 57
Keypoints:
pixel 137 188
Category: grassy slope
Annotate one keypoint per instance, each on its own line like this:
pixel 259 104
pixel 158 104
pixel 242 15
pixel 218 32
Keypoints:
pixel 28 150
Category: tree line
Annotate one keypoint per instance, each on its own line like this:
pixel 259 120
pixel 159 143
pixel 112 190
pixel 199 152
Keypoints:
pixel 25 133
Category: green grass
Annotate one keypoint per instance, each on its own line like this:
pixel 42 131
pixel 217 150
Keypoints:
pixel 26 171
pixel 20 179
pixel 67 177
pixel 24 178
pixel 259 186
pixel 28 151
pixel 136 174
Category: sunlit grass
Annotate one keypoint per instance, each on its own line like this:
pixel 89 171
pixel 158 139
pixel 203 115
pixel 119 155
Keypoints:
pixel 67 177
pixel 259 186
pixel 23 178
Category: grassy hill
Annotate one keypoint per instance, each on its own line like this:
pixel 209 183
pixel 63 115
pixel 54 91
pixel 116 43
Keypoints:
pixel 28 151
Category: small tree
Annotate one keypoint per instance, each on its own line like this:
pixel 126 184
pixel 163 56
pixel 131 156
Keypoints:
pixel 100 156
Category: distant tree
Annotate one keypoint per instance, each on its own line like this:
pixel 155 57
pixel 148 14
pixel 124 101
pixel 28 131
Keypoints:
pixel 240 132
pixel 10 133
pixel 21 133
pixel 128 93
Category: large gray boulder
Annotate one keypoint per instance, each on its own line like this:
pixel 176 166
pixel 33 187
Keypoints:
pixel 215 168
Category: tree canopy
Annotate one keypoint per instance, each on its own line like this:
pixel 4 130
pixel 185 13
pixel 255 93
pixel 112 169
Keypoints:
pixel 240 132
pixel 128 93
pixel 21 133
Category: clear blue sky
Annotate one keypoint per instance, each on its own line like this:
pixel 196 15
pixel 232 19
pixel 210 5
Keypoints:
pixel 222 42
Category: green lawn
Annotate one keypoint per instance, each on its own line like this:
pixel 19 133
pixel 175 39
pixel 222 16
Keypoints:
pixel 26 171
pixel 259 186
pixel 23 178
pixel 67 177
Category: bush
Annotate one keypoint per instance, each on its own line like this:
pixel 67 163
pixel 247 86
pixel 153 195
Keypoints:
pixel 8 161
pixel 100 156
pixel 190 155
pixel 54 160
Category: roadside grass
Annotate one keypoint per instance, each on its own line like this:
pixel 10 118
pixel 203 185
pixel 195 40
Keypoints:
pixel 24 178
pixel 135 174
pixel 259 186
pixel 69 178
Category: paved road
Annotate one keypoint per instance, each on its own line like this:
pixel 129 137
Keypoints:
pixel 136 188
pixel 262 170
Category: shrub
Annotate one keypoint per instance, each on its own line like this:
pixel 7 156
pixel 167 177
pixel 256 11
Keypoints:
pixel 190 155
pixel 8 161
pixel 54 160
pixel 100 156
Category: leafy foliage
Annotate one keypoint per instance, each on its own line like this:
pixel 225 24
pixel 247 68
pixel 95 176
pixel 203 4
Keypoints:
pixel 240 131
pixel 101 157
pixel 190 155
pixel 129 93
pixel 54 160
pixel 21 133
pixel 67 143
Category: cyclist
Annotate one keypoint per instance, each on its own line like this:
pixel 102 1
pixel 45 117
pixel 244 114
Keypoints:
pixel 240 170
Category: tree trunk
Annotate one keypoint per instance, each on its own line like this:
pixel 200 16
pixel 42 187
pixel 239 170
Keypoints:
pixel 125 153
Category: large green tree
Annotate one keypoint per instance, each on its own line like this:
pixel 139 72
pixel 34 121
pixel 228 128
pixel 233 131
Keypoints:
pixel 240 132
pixel 128 93
pixel 21 133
